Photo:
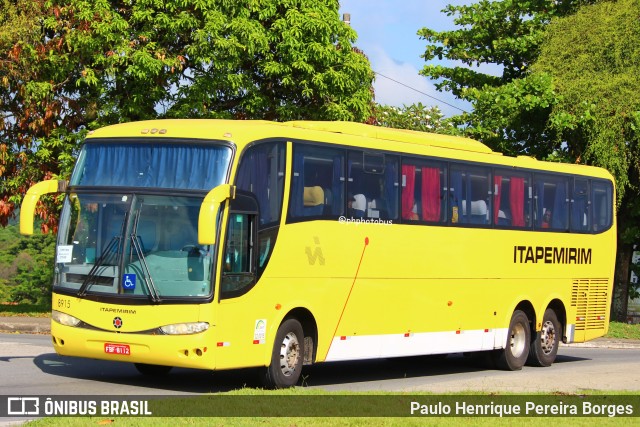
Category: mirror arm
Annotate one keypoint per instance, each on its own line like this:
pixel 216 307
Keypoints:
pixel 28 206
pixel 209 212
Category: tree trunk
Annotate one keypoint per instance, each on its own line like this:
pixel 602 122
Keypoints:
pixel 622 277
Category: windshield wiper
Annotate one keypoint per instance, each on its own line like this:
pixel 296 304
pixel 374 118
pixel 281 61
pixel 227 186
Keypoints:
pixel 107 253
pixel 148 280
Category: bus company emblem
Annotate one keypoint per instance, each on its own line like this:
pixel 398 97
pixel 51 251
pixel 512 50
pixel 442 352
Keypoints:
pixel 316 254
pixel 117 322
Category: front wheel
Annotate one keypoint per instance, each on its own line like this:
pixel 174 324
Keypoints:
pixel 287 356
pixel 544 346
pixel 514 355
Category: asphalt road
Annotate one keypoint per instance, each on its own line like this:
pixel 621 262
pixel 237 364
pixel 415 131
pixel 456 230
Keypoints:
pixel 29 366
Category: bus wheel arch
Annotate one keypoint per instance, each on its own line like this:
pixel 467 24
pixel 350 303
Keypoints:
pixel 545 342
pixel 293 347
pixel 310 330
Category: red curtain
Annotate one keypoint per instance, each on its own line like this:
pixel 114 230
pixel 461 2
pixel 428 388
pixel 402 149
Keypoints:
pixel 408 198
pixel 430 194
pixel 517 202
pixel 497 188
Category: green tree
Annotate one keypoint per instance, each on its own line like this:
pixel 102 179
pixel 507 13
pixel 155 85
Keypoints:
pixel 69 66
pixel 26 264
pixel 500 39
pixel 593 59
pixel 413 117
pixel 520 103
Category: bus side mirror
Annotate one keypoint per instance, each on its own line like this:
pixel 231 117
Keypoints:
pixel 209 212
pixel 28 206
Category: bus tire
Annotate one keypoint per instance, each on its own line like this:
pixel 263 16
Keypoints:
pixel 544 345
pixel 152 370
pixel 514 355
pixel 287 356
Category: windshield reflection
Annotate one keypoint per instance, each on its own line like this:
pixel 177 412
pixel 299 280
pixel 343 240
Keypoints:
pixel 135 246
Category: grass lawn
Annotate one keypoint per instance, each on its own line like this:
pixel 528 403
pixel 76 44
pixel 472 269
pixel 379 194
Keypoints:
pixel 624 330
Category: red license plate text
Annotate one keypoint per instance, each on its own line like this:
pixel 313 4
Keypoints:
pixel 121 349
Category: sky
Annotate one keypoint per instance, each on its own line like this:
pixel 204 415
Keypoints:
pixel 387 33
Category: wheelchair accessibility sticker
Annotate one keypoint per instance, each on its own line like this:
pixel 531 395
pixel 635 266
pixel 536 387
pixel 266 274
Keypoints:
pixel 129 282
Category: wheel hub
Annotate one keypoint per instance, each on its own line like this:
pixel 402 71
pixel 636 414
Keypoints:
pixel 518 340
pixel 547 337
pixel 289 354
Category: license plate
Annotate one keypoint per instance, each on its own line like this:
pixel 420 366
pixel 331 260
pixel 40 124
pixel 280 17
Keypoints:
pixel 121 349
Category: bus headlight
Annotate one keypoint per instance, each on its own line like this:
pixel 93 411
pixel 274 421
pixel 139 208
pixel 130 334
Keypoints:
pixel 64 318
pixel 185 328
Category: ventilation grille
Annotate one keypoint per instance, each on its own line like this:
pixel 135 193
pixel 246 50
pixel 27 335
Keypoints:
pixel 590 297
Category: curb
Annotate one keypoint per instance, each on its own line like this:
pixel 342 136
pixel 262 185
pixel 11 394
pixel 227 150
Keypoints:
pixel 606 343
pixel 25 325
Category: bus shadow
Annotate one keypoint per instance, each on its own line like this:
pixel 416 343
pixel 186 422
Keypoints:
pixel 561 358
pixel 181 380
pixel 409 367
pixel 390 369
pixel 194 381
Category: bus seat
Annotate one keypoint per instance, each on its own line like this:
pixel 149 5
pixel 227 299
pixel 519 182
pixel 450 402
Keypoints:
pixel 377 208
pixel 359 205
pixel 502 219
pixel 478 214
pixel 328 201
pixel 313 199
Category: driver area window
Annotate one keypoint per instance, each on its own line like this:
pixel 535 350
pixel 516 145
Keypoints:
pixel 238 273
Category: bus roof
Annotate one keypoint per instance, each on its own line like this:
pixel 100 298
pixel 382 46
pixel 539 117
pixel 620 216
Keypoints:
pixel 243 132
pixel 193 127
pixel 401 135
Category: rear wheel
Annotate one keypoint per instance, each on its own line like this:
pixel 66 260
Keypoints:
pixel 544 346
pixel 287 356
pixel 514 355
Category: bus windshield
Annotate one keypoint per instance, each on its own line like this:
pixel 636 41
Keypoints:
pixel 132 246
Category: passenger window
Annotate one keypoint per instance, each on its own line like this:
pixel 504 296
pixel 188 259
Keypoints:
pixel 469 193
pixel 551 203
pixel 602 200
pixel 580 206
pixel 261 172
pixel 372 188
pixel 317 184
pixel 423 189
pixel 511 199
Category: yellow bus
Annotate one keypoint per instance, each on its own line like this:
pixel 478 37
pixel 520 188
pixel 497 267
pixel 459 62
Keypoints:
pixel 219 244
